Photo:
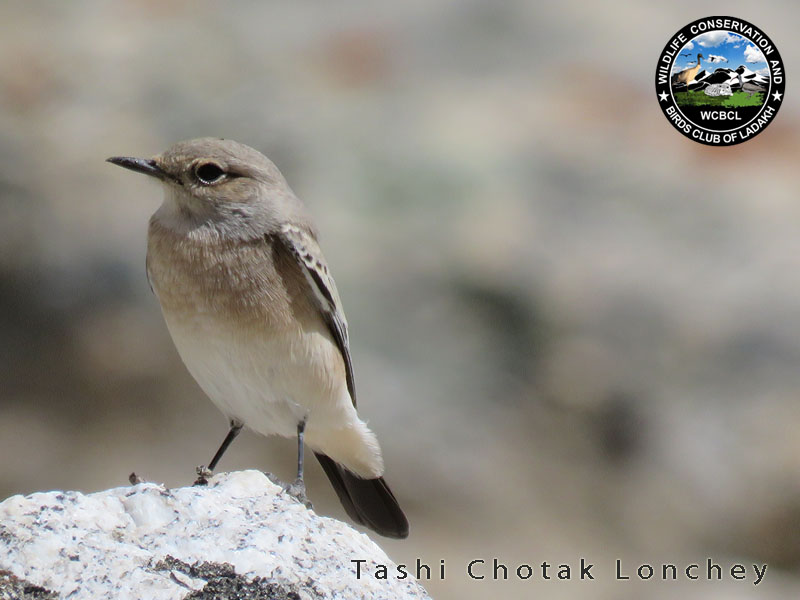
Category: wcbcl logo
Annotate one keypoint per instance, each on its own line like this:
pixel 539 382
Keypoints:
pixel 720 81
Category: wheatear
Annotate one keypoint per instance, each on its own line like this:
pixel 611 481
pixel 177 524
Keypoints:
pixel 253 310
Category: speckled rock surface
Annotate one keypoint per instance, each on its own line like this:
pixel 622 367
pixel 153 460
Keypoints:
pixel 240 537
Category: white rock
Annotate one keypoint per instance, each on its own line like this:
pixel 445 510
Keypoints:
pixel 147 541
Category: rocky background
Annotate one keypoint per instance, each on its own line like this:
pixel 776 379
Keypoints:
pixel 576 333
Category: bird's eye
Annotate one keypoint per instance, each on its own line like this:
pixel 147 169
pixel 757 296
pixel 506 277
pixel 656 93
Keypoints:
pixel 208 173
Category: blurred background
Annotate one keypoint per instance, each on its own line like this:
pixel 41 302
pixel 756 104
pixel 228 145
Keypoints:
pixel 575 332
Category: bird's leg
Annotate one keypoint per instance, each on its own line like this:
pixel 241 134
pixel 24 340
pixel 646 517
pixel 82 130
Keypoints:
pixel 203 472
pixel 301 429
pixel 298 488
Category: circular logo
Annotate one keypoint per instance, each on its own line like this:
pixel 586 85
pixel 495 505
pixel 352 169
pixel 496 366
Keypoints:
pixel 720 81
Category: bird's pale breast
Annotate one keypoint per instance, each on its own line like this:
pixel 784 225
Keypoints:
pixel 246 329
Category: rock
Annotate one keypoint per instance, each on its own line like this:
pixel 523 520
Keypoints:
pixel 239 537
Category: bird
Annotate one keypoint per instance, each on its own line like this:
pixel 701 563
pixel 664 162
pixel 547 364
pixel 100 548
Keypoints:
pixel 687 75
pixel 748 87
pixel 253 310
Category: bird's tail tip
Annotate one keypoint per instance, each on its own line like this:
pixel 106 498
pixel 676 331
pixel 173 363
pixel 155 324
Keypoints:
pixel 368 502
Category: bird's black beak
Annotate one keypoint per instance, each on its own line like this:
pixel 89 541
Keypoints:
pixel 141 165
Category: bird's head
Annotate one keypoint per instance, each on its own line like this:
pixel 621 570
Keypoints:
pixel 218 181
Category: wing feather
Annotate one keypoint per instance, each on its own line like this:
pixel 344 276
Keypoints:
pixel 304 247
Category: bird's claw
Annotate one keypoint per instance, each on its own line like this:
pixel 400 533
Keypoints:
pixel 297 490
pixel 203 473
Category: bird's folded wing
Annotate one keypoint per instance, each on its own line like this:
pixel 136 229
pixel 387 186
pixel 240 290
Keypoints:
pixel 305 249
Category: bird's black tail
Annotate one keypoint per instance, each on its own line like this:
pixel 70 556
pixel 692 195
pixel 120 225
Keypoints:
pixel 368 502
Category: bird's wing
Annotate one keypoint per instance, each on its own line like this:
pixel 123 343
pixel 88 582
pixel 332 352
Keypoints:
pixel 306 251
pixel 147 273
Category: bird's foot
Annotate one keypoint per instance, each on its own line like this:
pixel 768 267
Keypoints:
pixel 297 490
pixel 203 473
